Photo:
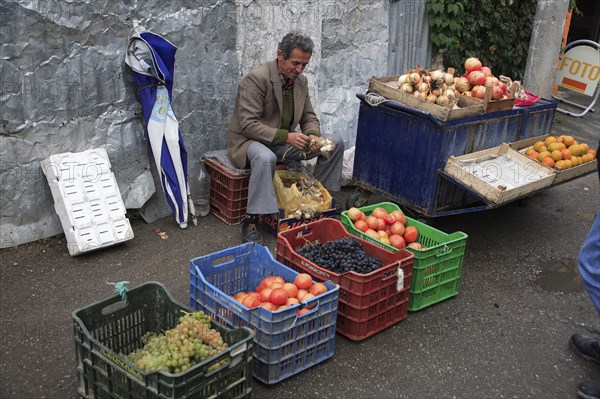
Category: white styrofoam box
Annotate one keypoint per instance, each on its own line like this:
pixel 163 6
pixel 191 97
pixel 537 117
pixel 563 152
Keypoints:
pixel 87 200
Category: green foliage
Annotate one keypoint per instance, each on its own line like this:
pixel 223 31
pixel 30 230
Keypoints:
pixel 495 31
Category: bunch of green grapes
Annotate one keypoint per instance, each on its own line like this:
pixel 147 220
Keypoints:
pixel 190 342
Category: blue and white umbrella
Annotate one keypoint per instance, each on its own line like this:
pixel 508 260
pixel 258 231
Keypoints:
pixel 152 59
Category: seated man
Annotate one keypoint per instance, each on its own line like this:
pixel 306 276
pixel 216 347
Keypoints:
pixel 272 101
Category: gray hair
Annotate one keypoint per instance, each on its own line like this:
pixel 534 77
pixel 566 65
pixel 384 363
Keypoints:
pixel 295 40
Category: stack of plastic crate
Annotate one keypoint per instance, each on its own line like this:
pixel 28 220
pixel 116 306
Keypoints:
pixel 87 200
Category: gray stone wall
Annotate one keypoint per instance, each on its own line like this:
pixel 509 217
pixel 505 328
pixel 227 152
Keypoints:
pixel 66 88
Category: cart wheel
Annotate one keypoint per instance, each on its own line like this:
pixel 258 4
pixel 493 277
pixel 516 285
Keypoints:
pixel 357 199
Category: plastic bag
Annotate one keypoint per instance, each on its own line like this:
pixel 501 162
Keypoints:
pixel 290 199
pixel 348 166
pixel 529 99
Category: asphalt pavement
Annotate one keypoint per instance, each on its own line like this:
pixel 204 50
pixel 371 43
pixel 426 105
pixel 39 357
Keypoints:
pixel 505 335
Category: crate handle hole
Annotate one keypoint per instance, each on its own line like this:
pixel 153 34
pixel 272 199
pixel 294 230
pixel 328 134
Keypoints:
pixel 444 251
pixel 222 259
pixel 114 307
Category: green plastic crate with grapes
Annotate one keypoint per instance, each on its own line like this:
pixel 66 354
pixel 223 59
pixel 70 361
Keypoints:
pixel 150 346
pixel 438 255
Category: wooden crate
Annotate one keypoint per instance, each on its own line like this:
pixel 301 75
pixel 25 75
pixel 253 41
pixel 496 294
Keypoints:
pixel 490 105
pixel 499 174
pixel 561 175
pixel 388 88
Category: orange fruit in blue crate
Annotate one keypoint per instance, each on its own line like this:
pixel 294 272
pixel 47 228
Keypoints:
pixel 303 281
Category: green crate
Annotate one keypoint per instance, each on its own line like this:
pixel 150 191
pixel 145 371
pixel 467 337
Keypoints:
pixel 421 300
pixel 438 265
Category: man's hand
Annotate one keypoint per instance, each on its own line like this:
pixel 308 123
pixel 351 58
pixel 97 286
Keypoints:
pixel 314 143
pixel 298 140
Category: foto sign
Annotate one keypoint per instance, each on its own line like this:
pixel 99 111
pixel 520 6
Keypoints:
pixel 579 69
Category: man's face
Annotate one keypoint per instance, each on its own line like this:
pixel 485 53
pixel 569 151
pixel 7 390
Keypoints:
pixel 293 66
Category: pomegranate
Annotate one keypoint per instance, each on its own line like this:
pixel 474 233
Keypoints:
pixel 497 93
pixel 476 78
pixel 491 81
pixel 478 91
pixel 473 64
pixel 487 71
pixel 503 87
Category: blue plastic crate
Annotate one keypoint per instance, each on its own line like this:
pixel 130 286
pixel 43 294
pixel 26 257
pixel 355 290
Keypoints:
pixel 285 343
pixel 400 150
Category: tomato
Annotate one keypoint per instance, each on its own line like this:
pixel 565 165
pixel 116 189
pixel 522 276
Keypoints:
pixel 291 289
pixel 291 301
pixel 303 311
pixel 397 241
pixel 251 301
pixel 400 217
pixel 265 295
pixel 372 222
pixel 268 306
pixel 301 293
pixel 379 212
pixel 307 297
pixel 303 281
pixel 279 296
pixel 411 234
pixel 390 219
pixel 318 289
pixel 361 225
pixel 397 228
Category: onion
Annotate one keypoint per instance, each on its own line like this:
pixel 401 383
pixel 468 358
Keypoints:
pixel 402 79
pixel 436 74
pixel 406 88
pixel 448 78
pixel 423 87
pixel 426 79
pixel 420 95
pixel 442 100
pixel 462 84
pixel 414 78
pixel 437 92
pixel 431 98
pixel 450 94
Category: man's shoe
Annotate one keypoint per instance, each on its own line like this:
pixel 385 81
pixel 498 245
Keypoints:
pixel 586 347
pixel 589 389
pixel 250 233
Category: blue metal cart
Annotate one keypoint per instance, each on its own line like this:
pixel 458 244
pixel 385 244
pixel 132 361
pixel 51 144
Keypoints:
pixel 401 152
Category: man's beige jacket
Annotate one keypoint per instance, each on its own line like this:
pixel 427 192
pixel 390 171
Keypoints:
pixel 259 107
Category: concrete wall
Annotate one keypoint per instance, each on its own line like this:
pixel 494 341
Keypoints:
pixel 65 86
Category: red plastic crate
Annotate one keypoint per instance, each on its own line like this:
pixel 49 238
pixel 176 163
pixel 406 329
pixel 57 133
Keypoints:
pixel 358 330
pixel 367 302
pixel 228 192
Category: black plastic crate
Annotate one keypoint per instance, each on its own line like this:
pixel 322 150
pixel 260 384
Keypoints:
pixel 107 329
